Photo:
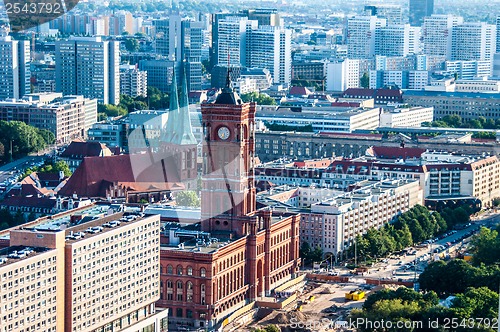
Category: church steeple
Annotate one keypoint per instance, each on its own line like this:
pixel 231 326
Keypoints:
pixel 184 132
pixel 173 114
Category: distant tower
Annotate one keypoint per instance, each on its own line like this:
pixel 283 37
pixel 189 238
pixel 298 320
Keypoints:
pixel 420 9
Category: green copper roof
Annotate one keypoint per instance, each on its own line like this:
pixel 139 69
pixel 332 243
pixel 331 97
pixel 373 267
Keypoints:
pixel 169 129
pixel 178 128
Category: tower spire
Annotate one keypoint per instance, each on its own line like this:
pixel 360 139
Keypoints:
pixel 172 121
pixel 183 130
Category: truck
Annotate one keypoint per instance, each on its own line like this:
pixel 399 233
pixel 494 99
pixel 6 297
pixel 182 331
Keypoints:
pixel 355 295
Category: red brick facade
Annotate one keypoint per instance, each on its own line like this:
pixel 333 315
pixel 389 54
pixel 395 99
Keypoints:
pixel 203 285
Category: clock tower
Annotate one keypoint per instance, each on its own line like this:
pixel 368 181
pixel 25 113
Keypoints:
pixel 228 191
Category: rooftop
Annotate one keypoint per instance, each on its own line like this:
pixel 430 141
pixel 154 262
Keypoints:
pixel 16 254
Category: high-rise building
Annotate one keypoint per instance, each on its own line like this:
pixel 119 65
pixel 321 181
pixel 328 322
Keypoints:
pixel 361 36
pixel 133 82
pixel 89 66
pixel 498 35
pixel 216 20
pixel 181 40
pixel 232 40
pixel 269 47
pixel 397 40
pixel 473 41
pixel 265 16
pixel 160 72
pixel 14 67
pixel 467 70
pixel 392 13
pixel 437 33
pixel 343 75
pixel 420 9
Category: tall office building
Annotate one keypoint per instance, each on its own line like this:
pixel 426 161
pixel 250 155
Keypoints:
pixel 269 47
pixel 168 37
pixel 498 35
pixel 216 19
pixel 14 67
pixel 343 75
pixel 397 40
pixel 181 40
pixel 437 33
pixel 361 36
pixel 89 66
pixel 473 41
pixel 420 9
pixel 231 40
pixel 265 16
pixel 392 13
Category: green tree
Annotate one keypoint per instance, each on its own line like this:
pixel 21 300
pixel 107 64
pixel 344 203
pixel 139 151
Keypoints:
pixel 187 198
pixel 365 81
pixel 259 98
pixel 111 110
pixel 476 302
pixel 485 247
pixel 132 45
pixel 25 139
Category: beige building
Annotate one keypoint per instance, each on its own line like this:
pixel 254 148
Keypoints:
pixel 66 117
pixel 101 275
pixel 346 216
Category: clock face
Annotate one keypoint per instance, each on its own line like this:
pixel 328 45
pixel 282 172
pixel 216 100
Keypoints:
pixel 223 133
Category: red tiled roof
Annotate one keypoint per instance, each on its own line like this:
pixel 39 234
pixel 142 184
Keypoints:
pixel 345 104
pixel 38 202
pixel 96 174
pixel 299 91
pixel 80 149
pixel 359 92
pixel 388 93
pixel 386 152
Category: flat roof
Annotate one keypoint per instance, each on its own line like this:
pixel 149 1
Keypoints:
pixel 32 252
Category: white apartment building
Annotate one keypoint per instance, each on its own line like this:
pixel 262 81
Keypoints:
pixel 348 215
pixel 404 79
pixel 397 40
pixel 468 70
pixel 473 41
pixel 133 82
pixel 89 66
pixel 231 46
pixel 406 117
pixel 437 34
pixel 477 86
pixel 270 47
pixel 343 75
pixel 14 67
pixel 361 36
pixel 325 121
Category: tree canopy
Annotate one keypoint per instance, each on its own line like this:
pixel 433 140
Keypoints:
pixel 187 198
pixel 259 98
pixel 25 139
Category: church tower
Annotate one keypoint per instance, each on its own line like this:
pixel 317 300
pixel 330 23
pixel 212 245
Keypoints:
pixel 228 191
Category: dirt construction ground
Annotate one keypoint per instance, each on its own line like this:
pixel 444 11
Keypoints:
pixel 329 304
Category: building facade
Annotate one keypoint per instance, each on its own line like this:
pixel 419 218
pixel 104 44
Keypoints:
pixel 133 82
pixel 66 117
pixel 15 67
pixel 419 9
pixel 239 253
pixel 89 66
pixel 96 276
